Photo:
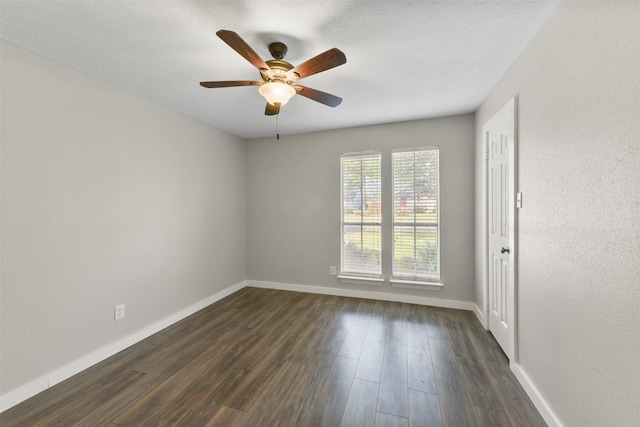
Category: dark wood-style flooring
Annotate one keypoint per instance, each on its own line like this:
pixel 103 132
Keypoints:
pixel 274 358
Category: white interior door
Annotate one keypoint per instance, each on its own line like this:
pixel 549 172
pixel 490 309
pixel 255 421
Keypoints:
pixel 500 143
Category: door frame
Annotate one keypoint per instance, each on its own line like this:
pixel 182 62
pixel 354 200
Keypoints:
pixel 512 303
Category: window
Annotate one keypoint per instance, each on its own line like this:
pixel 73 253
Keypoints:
pixel 361 215
pixel 416 247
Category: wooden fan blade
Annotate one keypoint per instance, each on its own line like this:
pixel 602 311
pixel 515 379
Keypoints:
pixel 318 96
pixel 230 83
pixel 271 110
pixel 236 43
pixel 324 61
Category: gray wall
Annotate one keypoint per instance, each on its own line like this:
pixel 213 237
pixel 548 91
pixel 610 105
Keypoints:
pixel 106 199
pixel 293 202
pixel 579 170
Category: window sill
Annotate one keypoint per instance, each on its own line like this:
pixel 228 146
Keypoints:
pixel 412 284
pixel 361 280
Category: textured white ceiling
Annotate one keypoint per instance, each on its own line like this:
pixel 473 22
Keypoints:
pixel 406 60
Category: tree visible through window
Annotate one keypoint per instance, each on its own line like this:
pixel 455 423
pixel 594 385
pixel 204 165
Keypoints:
pixel 415 215
pixel 361 217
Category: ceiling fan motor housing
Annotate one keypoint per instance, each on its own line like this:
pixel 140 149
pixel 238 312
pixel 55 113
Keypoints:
pixel 278 70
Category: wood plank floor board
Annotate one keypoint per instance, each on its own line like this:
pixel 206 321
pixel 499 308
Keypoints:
pixel 65 393
pixel 228 417
pixel 361 406
pixel 456 326
pixel 249 391
pixel 121 402
pixel 325 393
pixel 354 340
pixel 172 397
pixel 371 358
pixel 388 420
pixel 147 387
pixel 393 398
pixel 324 350
pixel 283 399
pixel 93 399
pixel 255 321
pixel 485 417
pixel 435 326
pixel 424 409
pixel 330 400
pixel 205 316
pixel 478 383
pixel 91 403
pixel 483 342
pixel 263 357
pixel 516 403
pixel 171 357
pixel 454 405
pixel 274 341
pixel 206 397
pixel 469 338
pixel 273 311
pixel 336 314
pixel 420 368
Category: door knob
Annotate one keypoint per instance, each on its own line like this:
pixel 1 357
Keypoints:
pixel 507 250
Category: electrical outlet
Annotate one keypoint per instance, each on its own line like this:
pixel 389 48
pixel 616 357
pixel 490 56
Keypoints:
pixel 332 270
pixel 118 312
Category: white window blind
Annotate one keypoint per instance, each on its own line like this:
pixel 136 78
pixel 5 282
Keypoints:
pixel 416 247
pixel 361 217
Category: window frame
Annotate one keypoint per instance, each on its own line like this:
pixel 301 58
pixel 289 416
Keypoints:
pixel 415 280
pixel 350 276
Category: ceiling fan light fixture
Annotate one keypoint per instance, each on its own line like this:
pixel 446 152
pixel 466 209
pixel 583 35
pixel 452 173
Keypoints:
pixel 276 93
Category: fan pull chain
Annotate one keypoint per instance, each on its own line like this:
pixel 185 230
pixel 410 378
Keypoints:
pixel 278 126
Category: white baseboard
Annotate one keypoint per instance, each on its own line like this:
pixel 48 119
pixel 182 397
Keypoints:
pixel 385 296
pixel 34 387
pixel 536 397
pixel 481 317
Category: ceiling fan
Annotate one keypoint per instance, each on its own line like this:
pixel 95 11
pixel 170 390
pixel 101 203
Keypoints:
pixel 279 77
